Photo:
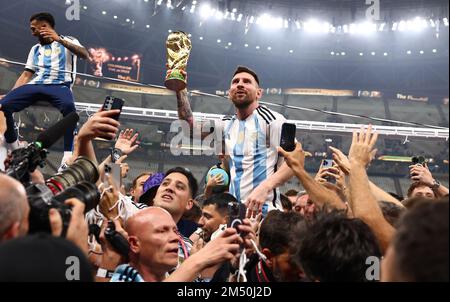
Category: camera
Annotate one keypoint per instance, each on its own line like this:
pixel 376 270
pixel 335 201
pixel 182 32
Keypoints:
pixel 41 200
pixel 81 170
pixel 418 160
pixel 77 181
pixel 117 240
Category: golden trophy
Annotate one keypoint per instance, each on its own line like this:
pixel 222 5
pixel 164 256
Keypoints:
pixel 178 48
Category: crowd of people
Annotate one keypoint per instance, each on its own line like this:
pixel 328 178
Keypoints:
pixel 238 227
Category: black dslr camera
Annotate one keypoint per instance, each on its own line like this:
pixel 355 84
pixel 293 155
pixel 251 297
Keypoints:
pixel 118 242
pixel 77 181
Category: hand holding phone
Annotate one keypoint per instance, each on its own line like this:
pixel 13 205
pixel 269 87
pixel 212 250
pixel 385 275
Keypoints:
pixel 287 141
pixel 112 103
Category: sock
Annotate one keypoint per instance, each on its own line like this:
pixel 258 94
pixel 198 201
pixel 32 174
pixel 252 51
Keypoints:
pixel 14 145
pixel 66 156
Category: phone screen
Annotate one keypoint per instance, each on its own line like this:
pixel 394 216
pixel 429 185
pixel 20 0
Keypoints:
pixel 236 214
pixel 287 141
pixel 327 163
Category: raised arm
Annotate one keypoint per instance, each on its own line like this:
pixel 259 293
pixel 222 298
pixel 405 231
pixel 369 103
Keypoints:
pixel 77 50
pixel 318 193
pixel 184 107
pixel 362 201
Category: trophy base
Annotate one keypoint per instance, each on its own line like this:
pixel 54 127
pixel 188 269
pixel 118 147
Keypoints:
pixel 175 84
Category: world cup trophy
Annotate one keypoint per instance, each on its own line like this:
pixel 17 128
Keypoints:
pixel 178 49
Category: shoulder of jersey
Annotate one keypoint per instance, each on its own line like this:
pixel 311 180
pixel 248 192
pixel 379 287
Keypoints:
pixel 227 117
pixel 267 114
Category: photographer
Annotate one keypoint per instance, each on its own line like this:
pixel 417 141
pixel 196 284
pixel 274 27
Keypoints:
pixel 153 239
pixel 422 178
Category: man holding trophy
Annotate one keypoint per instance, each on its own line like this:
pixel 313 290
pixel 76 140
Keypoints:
pixel 251 135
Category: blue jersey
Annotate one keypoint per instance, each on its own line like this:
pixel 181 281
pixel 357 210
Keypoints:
pixel 52 63
pixel 251 145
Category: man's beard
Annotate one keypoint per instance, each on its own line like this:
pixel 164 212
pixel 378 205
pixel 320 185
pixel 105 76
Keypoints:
pixel 245 103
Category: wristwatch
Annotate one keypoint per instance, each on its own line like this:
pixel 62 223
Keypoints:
pixel 436 184
pixel 116 153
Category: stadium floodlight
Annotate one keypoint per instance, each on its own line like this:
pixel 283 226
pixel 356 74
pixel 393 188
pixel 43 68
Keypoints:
pixel 332 53
pixel 434 50
pixel 291 51
pixel 361 54
pixel 206 11
pixel 314 26
pixel 408 52
pixel 394 26
pixel 385 54
pixel 365 28
pixel 192 10
pixel 345 28
pixel 219 15
pixel 267 21
pixel 416 24
pixel 432 23
pixel 421 52
pixel 445 21
pixel 239 18
pixel 373 53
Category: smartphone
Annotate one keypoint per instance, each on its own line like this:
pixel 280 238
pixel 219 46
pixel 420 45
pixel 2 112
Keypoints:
pixel 417 160
pixel 236 214
pixel 326 164
pixel 287 141
pixel 112 103
pixel 114 170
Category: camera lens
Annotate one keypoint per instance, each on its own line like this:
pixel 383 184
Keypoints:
pixel 85 192
pixel 81 170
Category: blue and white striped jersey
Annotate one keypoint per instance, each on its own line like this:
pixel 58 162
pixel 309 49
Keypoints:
pixel 251 145
pixel 53 59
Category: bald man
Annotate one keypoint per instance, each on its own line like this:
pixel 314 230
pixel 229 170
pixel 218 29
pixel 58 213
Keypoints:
pixel 153 239
pixel 14 209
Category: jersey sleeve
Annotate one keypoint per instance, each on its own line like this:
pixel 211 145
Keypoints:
pixel 30 61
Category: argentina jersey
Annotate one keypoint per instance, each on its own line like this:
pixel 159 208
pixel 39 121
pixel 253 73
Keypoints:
pixel 50 63
pixel 251 145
